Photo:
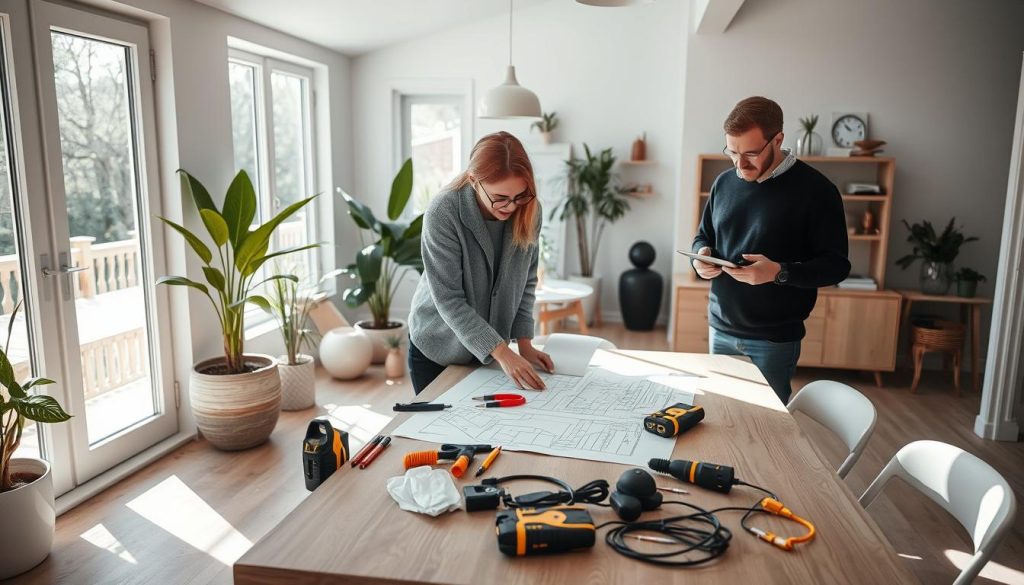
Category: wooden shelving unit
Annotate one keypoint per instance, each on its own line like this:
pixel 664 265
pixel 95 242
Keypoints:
pixel 847 329
pixel 868 252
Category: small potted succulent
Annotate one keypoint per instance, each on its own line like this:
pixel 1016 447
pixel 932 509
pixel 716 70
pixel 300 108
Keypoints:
pixel 967 280
pixel 546 125
pixel 394 365
pixel 26 484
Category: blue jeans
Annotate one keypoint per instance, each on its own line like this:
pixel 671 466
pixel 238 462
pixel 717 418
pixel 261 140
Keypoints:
pixel 776 360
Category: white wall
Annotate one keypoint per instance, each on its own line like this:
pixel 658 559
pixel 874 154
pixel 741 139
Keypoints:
pixel 938 78
pixel 609 73
pixel 194 124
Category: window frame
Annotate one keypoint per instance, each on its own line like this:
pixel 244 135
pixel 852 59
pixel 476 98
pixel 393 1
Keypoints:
pixel 264 67
pixel 403 89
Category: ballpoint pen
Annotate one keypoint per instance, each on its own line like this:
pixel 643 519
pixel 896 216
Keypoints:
pixel 376 451
pixel 366 449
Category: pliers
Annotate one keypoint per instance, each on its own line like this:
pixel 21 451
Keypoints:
pixel 500 400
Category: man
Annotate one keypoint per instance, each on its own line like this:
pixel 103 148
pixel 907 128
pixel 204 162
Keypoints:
pixel 784 221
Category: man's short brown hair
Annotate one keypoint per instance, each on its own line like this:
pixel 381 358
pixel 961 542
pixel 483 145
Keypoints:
pixel 757 111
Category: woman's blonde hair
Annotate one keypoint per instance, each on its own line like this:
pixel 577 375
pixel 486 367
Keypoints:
pixel 497 157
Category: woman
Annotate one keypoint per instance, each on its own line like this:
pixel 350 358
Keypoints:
pixel 480 270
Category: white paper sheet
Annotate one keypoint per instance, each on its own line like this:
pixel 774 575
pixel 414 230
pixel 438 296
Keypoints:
pixel 598 416
pixel 571 354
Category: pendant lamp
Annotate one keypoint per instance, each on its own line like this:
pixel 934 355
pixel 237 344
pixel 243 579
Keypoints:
pixel 509 101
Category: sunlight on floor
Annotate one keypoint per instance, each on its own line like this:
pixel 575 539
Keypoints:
pixel 361 422
pixel 991 570
pixel 101 537
pixel 911 557
pixel 173 506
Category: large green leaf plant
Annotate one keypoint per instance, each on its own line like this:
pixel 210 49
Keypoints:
pixel 18 405
pixel 393 250
pixel 232 267
pixel 593 197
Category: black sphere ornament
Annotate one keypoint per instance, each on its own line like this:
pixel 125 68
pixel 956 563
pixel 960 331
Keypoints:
pixel 640 289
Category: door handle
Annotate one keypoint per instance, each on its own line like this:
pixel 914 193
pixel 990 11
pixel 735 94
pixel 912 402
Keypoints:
pixel 66 270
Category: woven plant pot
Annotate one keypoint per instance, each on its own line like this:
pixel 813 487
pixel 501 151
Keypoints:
pixel 236 411
pixel 298 388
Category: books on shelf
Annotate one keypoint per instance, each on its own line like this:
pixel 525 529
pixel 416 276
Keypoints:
pixel 858 282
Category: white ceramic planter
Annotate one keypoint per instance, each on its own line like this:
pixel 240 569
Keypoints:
pixel 394 364
pixel 379 337
pixel 589 303
pixel 346 352
pixel 28 519
pixel 298 382
pixel 236 411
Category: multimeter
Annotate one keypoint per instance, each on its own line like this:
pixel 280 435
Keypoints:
pixel 673 420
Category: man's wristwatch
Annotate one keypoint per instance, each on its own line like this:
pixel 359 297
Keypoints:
pixel 783 276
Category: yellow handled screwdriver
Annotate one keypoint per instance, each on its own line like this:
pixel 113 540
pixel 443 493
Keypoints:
pixel 487 462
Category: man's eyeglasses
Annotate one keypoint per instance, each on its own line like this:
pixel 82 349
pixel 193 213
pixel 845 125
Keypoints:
pixel 750 156
pixel 502 202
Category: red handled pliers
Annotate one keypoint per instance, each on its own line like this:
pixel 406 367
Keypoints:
pixel 500 400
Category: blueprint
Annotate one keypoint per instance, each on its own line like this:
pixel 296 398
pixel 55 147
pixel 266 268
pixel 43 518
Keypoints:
pixel 596 416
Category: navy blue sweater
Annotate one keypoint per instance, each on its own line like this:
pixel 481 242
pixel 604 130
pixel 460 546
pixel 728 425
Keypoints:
pixel 796 218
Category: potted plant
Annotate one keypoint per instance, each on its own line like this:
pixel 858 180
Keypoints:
pixel 936 251
pixel 967 280
pixel 592 202
pixel 394 364
pixel 26 485
pixel 235 398
pixel 381 266
pixel 546 125
pixel 809 143
pixel 290 307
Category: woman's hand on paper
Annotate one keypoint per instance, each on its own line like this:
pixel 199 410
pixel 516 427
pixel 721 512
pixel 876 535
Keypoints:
pixel 517 368
pixel 536 357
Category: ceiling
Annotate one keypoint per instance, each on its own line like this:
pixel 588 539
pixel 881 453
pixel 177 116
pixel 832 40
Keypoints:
pixel 354 27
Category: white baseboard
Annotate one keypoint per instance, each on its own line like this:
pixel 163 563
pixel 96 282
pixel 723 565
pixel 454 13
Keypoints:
pixel 115 474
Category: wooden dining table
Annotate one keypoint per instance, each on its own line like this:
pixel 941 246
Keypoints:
pixel 351 531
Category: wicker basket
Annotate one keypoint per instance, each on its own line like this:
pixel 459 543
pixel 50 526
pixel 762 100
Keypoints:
pixel 939 335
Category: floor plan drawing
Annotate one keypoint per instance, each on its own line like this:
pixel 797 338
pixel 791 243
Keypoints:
pixel 596 416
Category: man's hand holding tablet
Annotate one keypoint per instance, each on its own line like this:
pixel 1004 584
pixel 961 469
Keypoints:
pixel 706 270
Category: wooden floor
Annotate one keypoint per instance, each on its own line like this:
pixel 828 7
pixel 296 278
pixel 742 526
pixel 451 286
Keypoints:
pixel 187 517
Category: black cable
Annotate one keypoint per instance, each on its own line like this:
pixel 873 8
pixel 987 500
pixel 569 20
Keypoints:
pixel 589 493
pixel 699 532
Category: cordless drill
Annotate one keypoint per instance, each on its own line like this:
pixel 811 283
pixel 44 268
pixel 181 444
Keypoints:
pixel 712 476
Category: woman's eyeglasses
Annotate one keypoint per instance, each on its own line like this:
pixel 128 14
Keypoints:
pixel 503 202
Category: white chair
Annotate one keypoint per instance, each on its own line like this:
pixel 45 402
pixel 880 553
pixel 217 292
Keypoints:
pixel 965 486
pixel 842 410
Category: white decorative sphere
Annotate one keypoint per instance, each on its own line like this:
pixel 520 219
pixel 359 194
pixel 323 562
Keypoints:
pixel 346 353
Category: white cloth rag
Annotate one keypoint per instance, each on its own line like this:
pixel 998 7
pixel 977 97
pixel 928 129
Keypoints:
pixel 425 490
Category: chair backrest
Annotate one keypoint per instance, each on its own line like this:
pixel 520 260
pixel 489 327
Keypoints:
pixel 965 486
pixel 842 410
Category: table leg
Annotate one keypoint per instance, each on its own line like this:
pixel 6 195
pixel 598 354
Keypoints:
pixel 905 319
pixel 975 346
pixel 581 317
pixel 878 378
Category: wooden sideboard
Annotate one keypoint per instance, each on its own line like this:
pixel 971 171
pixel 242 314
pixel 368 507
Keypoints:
pixel 852 330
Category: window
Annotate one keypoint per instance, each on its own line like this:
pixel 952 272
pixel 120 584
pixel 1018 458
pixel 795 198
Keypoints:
pixel 271 121
pixel 432 134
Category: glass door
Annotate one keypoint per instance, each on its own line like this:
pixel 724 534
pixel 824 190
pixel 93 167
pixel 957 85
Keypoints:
pixel 100 159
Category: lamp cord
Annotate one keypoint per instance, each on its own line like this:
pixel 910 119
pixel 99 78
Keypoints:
pixel 510 32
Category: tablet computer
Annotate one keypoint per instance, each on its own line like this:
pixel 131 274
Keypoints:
pixel 709 259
